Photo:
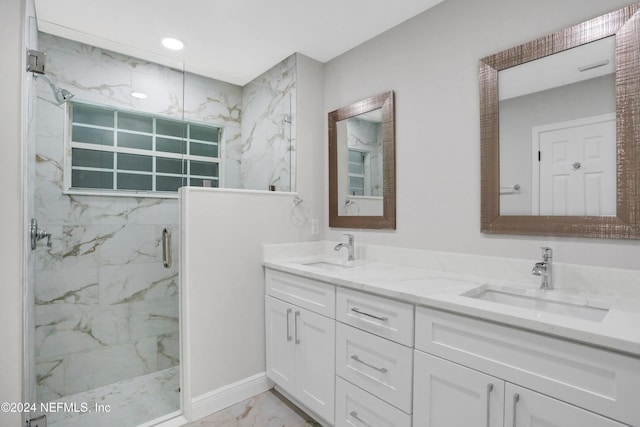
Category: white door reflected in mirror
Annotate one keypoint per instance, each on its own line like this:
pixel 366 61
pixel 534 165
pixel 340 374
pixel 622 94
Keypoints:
pixel 555 112
pixel 577 167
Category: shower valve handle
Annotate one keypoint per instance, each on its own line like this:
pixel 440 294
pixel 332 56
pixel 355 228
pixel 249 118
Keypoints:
pixel 42 234
pixel 38 234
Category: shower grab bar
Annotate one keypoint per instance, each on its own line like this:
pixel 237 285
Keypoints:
pixel 166 247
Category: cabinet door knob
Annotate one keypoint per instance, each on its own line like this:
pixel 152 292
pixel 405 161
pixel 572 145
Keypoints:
pixel 288 331
pixel 516 398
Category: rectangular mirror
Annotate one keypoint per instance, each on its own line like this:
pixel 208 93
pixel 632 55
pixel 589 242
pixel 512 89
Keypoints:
pixel 362 165
pixel 560 132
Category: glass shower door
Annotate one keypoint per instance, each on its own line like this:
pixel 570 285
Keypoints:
pixel 108 162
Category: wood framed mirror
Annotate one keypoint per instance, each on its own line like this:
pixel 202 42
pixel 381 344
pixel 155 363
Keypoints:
pixel 362 184
pixel 608 206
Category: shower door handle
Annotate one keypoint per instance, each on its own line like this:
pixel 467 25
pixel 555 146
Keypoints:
pixel 166 247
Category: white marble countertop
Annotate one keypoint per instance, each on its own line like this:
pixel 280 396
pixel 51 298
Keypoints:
pixel 619 330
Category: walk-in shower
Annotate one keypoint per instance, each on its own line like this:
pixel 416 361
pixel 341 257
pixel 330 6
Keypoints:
pixel 103 298
pixel 103 169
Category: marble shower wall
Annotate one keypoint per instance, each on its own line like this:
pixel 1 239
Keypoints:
pixel 268 129
pixel 219 103
pixel 105 307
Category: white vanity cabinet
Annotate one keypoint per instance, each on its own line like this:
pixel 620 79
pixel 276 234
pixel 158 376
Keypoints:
pixel 471 370
pixel 300 343
pixel 357 359
pixel 374 360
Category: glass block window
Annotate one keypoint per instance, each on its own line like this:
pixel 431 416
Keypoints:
pixel 356 172
pixel 121 150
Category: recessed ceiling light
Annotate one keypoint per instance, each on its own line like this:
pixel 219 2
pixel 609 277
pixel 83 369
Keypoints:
pixel 139 95
pixel 173 44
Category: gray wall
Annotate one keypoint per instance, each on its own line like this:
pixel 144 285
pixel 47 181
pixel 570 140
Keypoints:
pixel 431 62
pixel 11 73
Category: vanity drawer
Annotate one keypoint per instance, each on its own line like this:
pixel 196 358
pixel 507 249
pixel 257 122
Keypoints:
pixel 311 294
pixel 382 367
pixel 378 315
pixel 595 379
pixel 356 407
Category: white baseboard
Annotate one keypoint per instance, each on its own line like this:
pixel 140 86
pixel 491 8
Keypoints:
pixel 223 397
pixel 175 420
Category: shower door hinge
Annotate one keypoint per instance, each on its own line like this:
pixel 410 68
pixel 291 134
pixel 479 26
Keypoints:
pixel 36 61
pixel 40 421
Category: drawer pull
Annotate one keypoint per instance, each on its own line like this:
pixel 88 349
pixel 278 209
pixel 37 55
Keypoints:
pixel 354 414
pixel 489 390
pixel 516 397
pixel 356 310
pixel 357 359
pixel 288 331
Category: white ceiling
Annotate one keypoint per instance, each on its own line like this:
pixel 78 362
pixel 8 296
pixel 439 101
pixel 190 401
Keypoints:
pixel 559 70
pixel 233 40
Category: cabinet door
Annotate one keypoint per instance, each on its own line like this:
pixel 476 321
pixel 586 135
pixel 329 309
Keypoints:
pixel 449 395
pixel 280 350
pixel 315 369
pixel 526 408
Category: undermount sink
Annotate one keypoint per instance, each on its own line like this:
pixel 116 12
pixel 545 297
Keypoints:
pixel 326 265
pixel 538 300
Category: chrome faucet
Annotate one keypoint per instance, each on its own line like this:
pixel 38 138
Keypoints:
pixel 348 245
pixel 544 269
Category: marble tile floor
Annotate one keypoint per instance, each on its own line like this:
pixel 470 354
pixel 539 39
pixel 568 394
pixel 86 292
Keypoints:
pixel 131 402
pixel 268 409
pixel 142 399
